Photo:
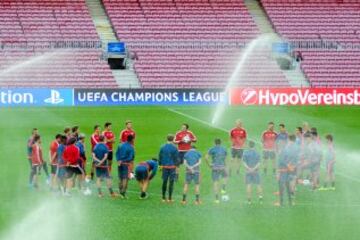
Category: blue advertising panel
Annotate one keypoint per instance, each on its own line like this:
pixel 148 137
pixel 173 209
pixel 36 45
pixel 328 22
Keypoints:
pixel 10 97
pixel 108 97
pixel 281 47
pixel 116 47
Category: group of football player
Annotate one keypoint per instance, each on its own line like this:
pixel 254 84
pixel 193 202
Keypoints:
pixel 293 157
pixel 296 159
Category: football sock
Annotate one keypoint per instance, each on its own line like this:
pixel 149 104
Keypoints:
pixel 184 197
pixel 197 196
pixel 281 193
pixel 111 191
pixel 120 187
pixel 216 196
pixel 99 191
pixel 224 187
pixel 333 184
pixel 46 170
pixel 92 175
pixel 289 193
pixel 32 174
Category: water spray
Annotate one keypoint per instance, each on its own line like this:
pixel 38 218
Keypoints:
pixel 262 41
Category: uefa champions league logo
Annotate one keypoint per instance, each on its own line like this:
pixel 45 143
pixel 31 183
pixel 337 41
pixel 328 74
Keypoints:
pixel 54 98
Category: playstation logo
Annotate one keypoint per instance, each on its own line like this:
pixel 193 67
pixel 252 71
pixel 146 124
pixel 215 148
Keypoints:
pixel 54 98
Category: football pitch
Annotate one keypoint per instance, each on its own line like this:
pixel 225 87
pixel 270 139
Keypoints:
pixel 30 214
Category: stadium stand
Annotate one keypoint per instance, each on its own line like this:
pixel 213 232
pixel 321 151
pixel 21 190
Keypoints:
pixel 31 34
pixel 56 68
pixel 204 68
pixel 184 31
pixel 43 21
pixel 322 21
pixel 178 43
pixel 181 20
pixel 332 68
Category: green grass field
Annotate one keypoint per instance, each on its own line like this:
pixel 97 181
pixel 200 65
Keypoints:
pixel 29 214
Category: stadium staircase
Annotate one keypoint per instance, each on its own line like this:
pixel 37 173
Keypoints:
pixel 125 78
pixel 101 22
pixel 295 76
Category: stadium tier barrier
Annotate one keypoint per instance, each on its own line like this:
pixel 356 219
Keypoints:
pixel 11 97
pixel 50 45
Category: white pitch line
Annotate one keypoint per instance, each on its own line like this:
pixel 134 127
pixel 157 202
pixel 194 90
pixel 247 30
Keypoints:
pixel 225 130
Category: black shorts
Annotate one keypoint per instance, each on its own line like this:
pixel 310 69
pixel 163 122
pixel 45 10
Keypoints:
pixel 123 171
pixel 180 158
pixel 192 177
pixel 53 169
pixel 36 169
pixel 83 166
pixel 269 154
pixel 70 171
pixel 252 178
pixel 237 153
pixel 218 173
pixel 314 166
pixel 102 172
pixel 110 156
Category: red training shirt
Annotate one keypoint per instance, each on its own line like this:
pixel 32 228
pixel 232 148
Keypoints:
pixel 184 146
pixel 125 133
pixel 109 136
pixel 238 138
pixel 269 140
pixel 36 155
pixel 94 140
pixel 53 150
pixel 71 155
